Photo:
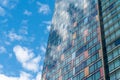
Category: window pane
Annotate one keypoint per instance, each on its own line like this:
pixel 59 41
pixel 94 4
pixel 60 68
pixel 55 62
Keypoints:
pixel 109 56
pixel 116 63
pixel 115 53
pixel 118 74
pixel 111 66
pixel 112 77
pixel 91 68
pixel 97 76
pixel 99 64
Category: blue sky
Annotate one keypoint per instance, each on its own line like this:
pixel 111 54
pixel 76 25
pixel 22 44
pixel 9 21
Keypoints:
pixel 24 30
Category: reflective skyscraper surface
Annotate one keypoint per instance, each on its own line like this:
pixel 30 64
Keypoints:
pixel 80 43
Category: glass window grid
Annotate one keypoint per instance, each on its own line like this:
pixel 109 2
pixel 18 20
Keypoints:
pixel 95 76
pixel 115 75
pixel 115 27
pixel 115 53
pixel 79 76
pixel 108 4
pixel 111 39
pixel 113 20
pixel 114 64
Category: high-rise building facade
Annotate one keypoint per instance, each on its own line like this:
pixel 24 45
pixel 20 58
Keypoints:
pixel 110 12
pixel 84 41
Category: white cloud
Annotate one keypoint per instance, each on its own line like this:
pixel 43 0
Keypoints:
pixel 33 64
pixel 41 67
pixel 27 13
pixel 4 77
pixel 23 54
pixel 6 5
pixel 23 76
pixel 13 36
pixel 2 11
pixel 48 28
pixel 47 22
pixel 38 77
pixel 26 57
pixel 2 49
pixel 43 8
pixel 43 48
pixel 10 4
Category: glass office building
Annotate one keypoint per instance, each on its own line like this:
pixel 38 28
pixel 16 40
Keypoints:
pixel 84 41
pixel 110 11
